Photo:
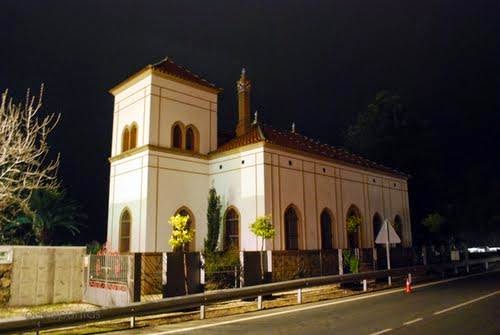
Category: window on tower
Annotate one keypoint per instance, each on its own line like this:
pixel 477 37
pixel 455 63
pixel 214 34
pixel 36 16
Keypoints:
pixel 133 136
pixel 177 137
pixel 190 139
pixel 125 139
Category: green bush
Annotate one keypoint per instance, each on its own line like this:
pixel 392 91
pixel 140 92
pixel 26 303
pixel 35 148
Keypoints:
pixel 351 262
pixel 219 269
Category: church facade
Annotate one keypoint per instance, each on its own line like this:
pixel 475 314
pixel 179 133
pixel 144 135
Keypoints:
pixel 166 155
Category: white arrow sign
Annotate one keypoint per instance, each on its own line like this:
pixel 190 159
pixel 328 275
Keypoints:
pixel 387 234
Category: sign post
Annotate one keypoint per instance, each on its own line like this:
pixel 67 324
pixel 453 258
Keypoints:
pixel 387 235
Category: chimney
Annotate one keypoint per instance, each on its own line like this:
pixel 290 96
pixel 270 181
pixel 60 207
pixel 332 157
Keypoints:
pixel 244 122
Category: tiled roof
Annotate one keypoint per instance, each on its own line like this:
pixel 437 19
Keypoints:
pixel 167 65
pixel 296 141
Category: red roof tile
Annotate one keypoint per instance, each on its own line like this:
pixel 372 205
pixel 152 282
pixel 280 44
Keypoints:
pixel 167 65
pixel 296 141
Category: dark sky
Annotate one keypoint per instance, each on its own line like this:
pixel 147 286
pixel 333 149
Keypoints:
pixel 317 63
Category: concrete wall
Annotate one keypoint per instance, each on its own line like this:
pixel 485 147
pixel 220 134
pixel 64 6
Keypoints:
pixel 46 275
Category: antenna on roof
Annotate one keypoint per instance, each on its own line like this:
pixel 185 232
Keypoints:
pixel 255 120
pixel 293 127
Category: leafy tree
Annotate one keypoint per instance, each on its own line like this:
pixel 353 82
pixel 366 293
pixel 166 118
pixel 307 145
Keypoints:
pixel 50 216
pixel 213 220
pixel 434 222
pixel 263 227
pixel 182 234
pixel 353 223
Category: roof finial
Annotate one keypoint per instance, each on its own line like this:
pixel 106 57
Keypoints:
pixel 243 72
pixel 293 127
pixel 255 120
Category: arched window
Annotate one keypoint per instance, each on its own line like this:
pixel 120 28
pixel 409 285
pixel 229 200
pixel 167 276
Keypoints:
pixel 326 229
pixel 377 225
pixel 398 226
pixel 133 136
pixel 232 223
pixel 177 137
pixel 125 223
pixel 190 139
pixel 291 229
pixel 191 224
pixel 353 235
pixel 125 139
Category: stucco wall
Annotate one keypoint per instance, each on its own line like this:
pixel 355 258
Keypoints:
pixel 312 185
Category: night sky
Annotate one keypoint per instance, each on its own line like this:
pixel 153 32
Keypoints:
pixel 317 63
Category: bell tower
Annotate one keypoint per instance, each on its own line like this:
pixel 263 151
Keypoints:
pixel 244 86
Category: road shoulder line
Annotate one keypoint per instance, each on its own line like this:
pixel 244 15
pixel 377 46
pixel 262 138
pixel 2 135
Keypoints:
pixel 466 303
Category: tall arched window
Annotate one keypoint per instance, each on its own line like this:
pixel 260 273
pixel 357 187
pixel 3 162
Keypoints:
pixel 190 140
pixel 377 225
pixel 191 246
pixel 177 137
pixel 125 139
pixel 291 229
pixel 326 229
pixel 354 235
pixel 125 223
pixel 133 136
pixel 398 226
pixel 232 227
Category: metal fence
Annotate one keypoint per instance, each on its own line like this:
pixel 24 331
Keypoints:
pixel 108 279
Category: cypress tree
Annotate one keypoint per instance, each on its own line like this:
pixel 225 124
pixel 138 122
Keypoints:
pixel 213 220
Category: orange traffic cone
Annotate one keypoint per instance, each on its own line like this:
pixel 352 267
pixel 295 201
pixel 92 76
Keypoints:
pixel 408 286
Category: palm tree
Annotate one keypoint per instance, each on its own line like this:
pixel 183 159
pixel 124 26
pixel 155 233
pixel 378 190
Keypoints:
pixel 51 214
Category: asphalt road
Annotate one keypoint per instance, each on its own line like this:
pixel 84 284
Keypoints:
pixel 465 306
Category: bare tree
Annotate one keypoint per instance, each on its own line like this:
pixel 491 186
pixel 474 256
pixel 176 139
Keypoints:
pixel 24 165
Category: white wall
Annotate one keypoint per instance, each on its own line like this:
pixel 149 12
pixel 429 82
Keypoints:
pixel 312 185
pixel 239 180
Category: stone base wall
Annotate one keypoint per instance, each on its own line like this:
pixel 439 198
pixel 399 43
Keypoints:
pixel 293 264
pixel 5 281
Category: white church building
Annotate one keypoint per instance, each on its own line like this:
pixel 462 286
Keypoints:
pixel 166 156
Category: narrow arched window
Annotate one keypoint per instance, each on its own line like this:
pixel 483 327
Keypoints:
pixel 191 225
pixel 291 229
pixel 190 139
pixel 377 225
pixel 353 232
pixel 177 137
pixel 125 223
pixel 125 139
pixel 326 230
pixel 232 223
pixel 133 136
pixel 398 226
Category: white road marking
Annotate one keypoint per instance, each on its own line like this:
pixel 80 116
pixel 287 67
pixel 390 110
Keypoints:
pixel 256 317
pixel 412 321
pixel 466 303
pixel 382 331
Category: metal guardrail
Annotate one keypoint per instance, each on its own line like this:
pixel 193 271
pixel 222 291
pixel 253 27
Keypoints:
pixel 199 300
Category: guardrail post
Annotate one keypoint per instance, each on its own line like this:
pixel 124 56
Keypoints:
pixel 299 296
pixel 389 280
pixel 202 312
pixel 132 322
pixel 365 285
pixel 341 262
pixel 259 302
